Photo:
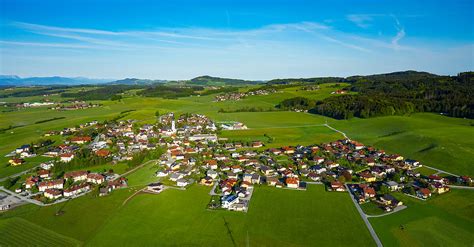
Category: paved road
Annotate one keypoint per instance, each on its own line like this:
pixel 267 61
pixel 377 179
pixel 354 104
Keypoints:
pixel 397 209
pixel 461 187
pixel 441 171
pixel 364 217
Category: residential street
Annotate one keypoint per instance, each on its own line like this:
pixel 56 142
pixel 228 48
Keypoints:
pixel 364 217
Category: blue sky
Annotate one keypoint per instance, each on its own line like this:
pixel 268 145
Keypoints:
pixel 238 39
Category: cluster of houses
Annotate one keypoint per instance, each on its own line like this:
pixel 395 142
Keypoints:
pixel 232 172
pixel 34 104
pixel 74 105
pixel 233 126
pixel 45 185
pixel 340 91
pixel 235 96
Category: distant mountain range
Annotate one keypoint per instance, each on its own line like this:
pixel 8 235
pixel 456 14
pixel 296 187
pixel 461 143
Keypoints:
pixel 13 80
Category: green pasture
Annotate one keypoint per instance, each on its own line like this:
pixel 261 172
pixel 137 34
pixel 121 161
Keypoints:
pixel 445 220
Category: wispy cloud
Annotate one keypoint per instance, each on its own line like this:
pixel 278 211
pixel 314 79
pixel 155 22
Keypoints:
pixel 400 33
pixel 361 20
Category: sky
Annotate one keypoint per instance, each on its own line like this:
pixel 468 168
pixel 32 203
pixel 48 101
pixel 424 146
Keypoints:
pixel 257 40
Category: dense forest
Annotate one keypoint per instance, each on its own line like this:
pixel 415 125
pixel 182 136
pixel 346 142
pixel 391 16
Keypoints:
pixel 169 92
pixel 452 96
pixel 101 93
pixel 397 94
pixel 209 80
pixel 34 91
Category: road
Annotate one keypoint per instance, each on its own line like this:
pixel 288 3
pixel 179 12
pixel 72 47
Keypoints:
pixel 18 174
pixel 344 134
pixel 461 187
pixel 397 209
pixel 365 219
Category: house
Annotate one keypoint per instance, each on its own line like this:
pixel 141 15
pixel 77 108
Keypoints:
pixel 175 176
pixel 292 182
pixel 213 174
pixel 229 200
pixel 155 187
pixel 76 189
pixel 44 174
pixel 255 178
pixel 182 182
pixel 423 193
pixel 272 181
pixel 162 173
pixel 247 178
pixel 392 185
pixel 314 176
pixel 54 184
pixel 76 175
pixel 368 192
pixel 31 182
pixel 81 139
pixel 67 157
pixel 52 194
pixel 368 177
pixel 23 148
pixel 102 153
pixel 16 161
pixel 337 186
pixel 95 178
pixel 389 200
pixel 439 188
pixel 257 144
pixel 207 181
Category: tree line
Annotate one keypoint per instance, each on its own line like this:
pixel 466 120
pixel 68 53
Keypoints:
pixel 397 94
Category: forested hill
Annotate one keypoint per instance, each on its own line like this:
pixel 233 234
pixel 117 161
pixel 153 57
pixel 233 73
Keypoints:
pixel 401 93
pixel 209 80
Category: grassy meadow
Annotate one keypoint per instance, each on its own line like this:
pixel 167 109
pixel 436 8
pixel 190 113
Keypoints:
pixel 445 220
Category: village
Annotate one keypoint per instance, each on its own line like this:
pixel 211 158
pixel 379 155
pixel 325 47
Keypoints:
pixel 188 151
pixel 236 96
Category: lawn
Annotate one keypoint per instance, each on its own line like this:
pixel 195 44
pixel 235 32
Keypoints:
pixel 276 217
pixel 446 220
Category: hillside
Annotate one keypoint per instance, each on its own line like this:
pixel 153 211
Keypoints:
pixel 209 80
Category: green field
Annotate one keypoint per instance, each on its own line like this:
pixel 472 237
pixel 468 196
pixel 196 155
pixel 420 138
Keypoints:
pixel 446 220
pixel 276 217
pixel 17 230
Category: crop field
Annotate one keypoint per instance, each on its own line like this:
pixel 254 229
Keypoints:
pixel 446 220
